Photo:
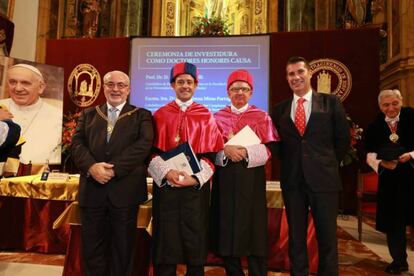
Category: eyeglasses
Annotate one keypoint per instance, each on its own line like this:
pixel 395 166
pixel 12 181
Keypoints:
pixel 182 82
pixel 120 85
pixel 237 89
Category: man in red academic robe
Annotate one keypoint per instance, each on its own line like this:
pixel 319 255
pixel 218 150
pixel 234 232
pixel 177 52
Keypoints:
pixel 181 201
pixel 240 182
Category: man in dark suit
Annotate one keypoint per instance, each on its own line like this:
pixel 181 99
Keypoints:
pixel 314 138
pixel 110 147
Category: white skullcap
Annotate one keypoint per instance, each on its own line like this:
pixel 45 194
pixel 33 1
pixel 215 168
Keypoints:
pixel 29 67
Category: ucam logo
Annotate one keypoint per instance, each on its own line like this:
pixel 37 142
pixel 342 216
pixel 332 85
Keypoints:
pixel 331 76
pixel 84 85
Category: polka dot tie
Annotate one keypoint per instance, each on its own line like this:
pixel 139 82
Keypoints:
pixel 300 117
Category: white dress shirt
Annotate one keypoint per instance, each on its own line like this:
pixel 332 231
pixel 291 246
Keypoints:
pixel 307 105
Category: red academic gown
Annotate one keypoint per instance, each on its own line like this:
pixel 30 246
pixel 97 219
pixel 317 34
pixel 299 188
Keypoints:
pixel 180 215
pixel 239 193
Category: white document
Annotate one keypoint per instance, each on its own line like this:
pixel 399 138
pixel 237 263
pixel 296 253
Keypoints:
pixel 272 185
pixel 180 163
pixel 245 137
pixel 57 177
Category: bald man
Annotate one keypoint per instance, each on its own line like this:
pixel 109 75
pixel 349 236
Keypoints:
pixel 40 122
pixel 110 148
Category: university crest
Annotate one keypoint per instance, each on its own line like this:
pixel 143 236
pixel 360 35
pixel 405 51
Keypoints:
pixel 331 76
pixel 84 84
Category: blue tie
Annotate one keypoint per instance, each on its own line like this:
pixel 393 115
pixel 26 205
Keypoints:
pixel 112 117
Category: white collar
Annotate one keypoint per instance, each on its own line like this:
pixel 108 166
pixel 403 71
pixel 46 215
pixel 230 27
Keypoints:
pixel 26 108
pixel 183 105
pixel 307 97
pixel 118 107
pixel 393 120
pixel 239 110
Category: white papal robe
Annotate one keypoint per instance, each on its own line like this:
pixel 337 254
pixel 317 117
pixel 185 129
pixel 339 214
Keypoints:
pixel 41 126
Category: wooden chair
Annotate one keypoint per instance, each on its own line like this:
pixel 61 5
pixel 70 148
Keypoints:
pixel 367 197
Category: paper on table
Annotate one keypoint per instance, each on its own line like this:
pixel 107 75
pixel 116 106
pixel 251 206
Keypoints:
pixel 245 137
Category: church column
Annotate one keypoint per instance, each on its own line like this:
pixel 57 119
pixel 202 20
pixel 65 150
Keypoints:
pixel 324 14
pixel 259 13
pixel 168 21
pixel 398 71
pixel 272 16
pixel 156 18
pixel 43 24
pixel 25 18
pixel 300 15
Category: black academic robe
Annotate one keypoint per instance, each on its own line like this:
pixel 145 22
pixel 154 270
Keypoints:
pixel 395 187
pixel 9 148
pixel 240 194
pixel 239 213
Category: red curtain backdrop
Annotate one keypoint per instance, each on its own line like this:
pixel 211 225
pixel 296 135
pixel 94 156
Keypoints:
pixel 105 54
pixel 358 49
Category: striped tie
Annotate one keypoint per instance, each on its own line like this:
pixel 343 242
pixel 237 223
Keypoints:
pixel 112 117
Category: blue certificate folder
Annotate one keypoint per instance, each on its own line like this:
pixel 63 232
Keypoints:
pixel 188 152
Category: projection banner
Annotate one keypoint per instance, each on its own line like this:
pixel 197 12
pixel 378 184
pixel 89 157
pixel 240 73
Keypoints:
pixel 215 57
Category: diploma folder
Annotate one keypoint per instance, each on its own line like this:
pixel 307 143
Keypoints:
pixel 182 158
pixel 245 137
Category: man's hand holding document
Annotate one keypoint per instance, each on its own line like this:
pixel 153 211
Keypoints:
pixel 245 137
pixel 183 163
pixel 235 148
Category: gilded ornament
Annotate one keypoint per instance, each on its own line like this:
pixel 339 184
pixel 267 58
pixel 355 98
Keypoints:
pixel 84 85
pixel 394 137
pixel 334 78
pixel 258 7
pixel 170 10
